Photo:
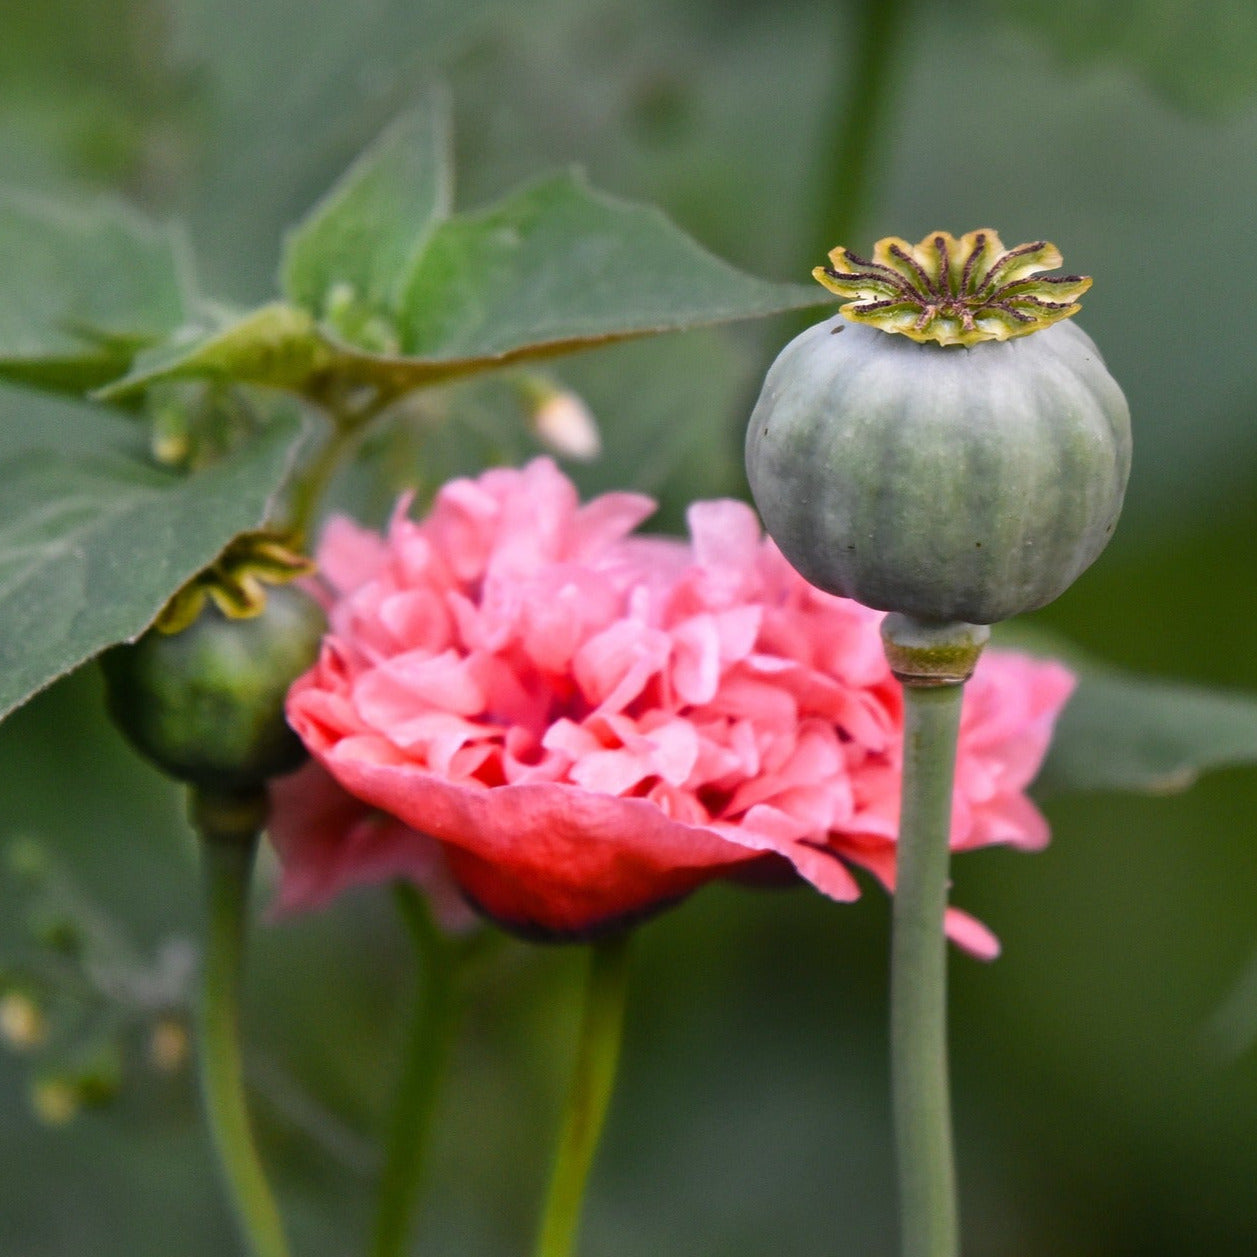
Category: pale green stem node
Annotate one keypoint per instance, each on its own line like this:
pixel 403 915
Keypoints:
pixel 923 654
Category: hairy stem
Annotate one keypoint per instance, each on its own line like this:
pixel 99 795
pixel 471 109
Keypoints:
pixel 227 863
pixel 427 1049
pixel 593 1081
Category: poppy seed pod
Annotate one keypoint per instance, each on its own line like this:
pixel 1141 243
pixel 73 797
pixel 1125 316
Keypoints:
pixel 956 451
pixel 206 703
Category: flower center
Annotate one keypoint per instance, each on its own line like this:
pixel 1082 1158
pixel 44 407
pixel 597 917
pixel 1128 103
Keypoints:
pixel 954 291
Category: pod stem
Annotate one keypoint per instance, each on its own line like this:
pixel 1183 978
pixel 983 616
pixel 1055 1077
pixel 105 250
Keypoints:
pixel 593 1080
pixel 426 1052
pixel 229 827
pixel 932 662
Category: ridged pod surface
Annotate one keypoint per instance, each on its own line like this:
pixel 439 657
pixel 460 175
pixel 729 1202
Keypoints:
pixel 944 482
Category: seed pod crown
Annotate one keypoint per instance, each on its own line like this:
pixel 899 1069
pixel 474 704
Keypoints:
pixel 954 291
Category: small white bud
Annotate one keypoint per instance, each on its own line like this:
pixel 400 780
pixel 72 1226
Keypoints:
pixel 562 422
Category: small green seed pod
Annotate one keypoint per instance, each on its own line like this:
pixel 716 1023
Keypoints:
pixel 958 469
pixel 206 703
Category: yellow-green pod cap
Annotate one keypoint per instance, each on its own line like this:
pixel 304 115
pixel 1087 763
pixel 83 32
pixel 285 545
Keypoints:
pixel 954 291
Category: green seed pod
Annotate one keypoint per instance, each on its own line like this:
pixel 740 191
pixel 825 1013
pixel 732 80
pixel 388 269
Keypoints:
pixel 959 469
pixel 206 703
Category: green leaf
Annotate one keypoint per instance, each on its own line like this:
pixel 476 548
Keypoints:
pixel 1200 53
pixel 82 291
pixel 1122 731
pixel 349 259
pixel 91 548
pixel 557 267
pixel 277 345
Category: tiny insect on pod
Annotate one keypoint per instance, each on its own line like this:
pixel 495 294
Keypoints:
pixel 960 452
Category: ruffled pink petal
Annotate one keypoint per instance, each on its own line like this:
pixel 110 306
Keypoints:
pixel 969 934
pixel 606 520
pixel 613 667
pixel 724 534
pixel 349 555
pixel 418 619
pixel 592 723
pixel 328 841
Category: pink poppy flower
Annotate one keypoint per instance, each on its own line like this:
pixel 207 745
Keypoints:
pixel 327 840
pixel 588 724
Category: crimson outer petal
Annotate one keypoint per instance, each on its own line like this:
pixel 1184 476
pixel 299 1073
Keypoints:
pixel 546 858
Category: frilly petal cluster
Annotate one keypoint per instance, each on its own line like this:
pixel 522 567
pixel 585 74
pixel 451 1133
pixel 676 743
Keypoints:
pixel 580 725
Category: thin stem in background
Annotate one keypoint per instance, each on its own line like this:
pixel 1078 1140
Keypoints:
pixel 427 1050
pixel 872 43
pixel 593 1081
pixel 277 1090
pixel 227 863
pixel 918 995
pixel 313 481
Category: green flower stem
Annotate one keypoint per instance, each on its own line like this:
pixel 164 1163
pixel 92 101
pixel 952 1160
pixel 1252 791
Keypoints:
pixel 348 423
pixel 427 1050
pixel 918 988
pixel 593 1080
pixel 313 481
pixel 932 661
pixel 229 830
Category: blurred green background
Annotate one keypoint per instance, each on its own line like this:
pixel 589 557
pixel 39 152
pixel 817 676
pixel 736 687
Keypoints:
pixel 1105 1069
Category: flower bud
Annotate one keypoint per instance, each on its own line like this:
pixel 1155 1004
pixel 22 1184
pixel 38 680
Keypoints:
pixel 560 419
